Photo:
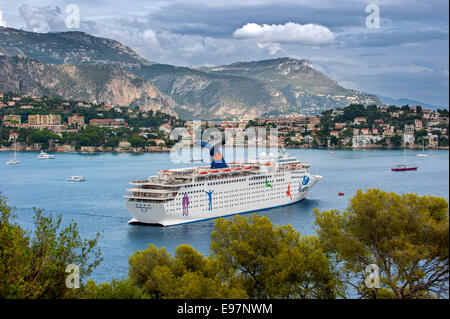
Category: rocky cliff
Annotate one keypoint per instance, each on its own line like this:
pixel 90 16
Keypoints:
pixel 97 83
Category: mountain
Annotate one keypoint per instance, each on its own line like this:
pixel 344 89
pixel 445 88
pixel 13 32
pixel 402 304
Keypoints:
pixel 214 96
pixel 304 88
pixel 403 101
pixel 95 83
pixel 239 90
pixel 67 48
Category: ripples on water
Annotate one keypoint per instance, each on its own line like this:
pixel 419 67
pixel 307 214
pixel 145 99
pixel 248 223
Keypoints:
pixel 97 205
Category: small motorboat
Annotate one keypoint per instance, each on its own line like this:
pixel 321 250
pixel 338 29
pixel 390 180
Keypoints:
pixel 43 155
pixel 76 178
pixel 400 168
pixel 195 159
pixel 341 194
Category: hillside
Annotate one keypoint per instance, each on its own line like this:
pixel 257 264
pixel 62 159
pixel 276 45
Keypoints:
pixel 67 48
pixel 242 89
pixel 213 96
pixel 302 86
pixel 95 83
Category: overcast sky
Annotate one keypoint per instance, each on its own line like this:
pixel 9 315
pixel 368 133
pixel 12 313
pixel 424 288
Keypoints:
pixel 405 55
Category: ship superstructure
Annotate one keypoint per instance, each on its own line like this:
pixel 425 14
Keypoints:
pixel 190 194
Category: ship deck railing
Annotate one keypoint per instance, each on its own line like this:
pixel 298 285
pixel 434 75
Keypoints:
pixel 220 174
pixel 151 190
pixel 147 196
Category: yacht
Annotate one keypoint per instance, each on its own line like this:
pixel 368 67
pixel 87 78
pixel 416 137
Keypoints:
pixel 191 194
pixel 43 155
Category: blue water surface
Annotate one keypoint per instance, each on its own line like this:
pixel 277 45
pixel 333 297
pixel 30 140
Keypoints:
pixel 97 205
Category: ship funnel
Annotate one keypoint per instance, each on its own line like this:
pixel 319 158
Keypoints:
pixel 217 159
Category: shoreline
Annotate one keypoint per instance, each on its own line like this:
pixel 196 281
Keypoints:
pixel 167 150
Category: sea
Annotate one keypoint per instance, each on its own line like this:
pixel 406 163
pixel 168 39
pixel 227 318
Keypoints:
pixel 98 206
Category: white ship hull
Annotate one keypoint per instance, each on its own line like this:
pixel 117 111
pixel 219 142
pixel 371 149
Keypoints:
pixel 230 196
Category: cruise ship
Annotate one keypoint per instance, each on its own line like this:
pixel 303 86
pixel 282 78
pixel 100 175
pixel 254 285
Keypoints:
pixel 192 194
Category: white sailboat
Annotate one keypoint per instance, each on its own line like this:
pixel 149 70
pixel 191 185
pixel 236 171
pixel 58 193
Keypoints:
pixel 14 161
pixel 423 151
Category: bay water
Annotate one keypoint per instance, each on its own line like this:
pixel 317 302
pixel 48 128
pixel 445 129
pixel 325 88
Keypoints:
pixel 97 205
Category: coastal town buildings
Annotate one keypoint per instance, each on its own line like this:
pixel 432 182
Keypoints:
pixel 47 119
pixel 75 120
pixel 354 127
pixel 111 123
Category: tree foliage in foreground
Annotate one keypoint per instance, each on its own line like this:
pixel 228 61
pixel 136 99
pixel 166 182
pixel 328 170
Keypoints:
pixel 406 236
pixel 186 275
pixel 33 264
pixel 272 261
pixel 251 258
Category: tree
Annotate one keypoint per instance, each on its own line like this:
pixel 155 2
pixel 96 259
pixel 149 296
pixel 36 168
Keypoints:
pixel 406 236
pixel 33 265
pixel 117 289
pixel 334 140
pixel 420 134
pixel 187 275
pixel 396 140
pixel 271 261
pixel 251 258
pixel 136 141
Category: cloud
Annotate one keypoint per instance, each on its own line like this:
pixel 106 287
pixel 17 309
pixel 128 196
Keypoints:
pixel 289 32
pixel 41 19
pixel 407 56
pixel 50 19
pixel 272 48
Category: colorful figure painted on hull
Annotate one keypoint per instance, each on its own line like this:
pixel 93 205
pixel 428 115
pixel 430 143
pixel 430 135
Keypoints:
pixel 210 198
pixel 185 203
pixel 288 193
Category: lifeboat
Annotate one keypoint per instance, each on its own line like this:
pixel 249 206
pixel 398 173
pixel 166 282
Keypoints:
pixel 267 164
pixel 165 171
pixel 203 173
pixel 248 167
pixel 226 170
pixel 214 172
